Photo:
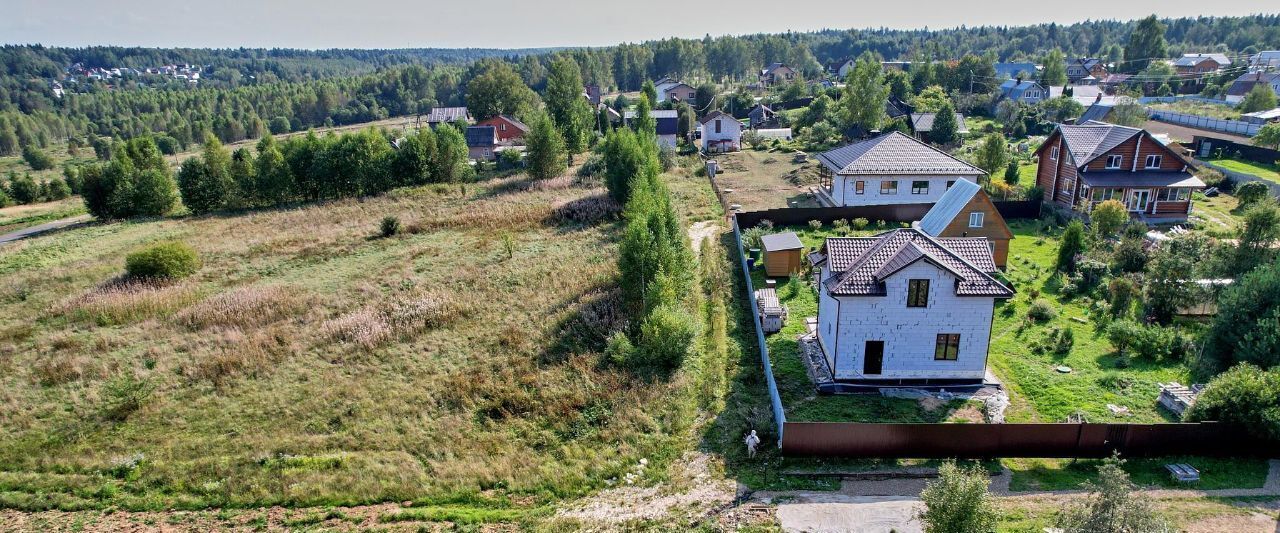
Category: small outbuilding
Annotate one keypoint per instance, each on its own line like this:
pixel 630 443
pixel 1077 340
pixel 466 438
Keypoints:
pixel 781 253
pixel 773 315
pixel 965 210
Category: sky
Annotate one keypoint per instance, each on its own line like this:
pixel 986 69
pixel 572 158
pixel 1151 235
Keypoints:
pixel 520 23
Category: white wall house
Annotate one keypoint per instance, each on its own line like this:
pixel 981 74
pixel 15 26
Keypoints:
pixel 906 307
pixel 721 133
pixel 890 169
pixel 662 86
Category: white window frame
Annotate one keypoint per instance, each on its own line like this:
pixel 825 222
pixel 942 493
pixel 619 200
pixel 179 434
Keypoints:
pixel 975 219
pixel 1053 153
pixel 1119 160
pixel 1154 157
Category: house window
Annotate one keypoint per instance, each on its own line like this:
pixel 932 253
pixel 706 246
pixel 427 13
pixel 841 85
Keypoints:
pixel 1104 194
pixel 950 183
pixel 975 219
pixel 947 347
pixel 717 125
pixel 1113 161
pixel 1153 161
pixel 918 293
pixel 919 187
pixel 859 187
pixel 1173 195
pixel 889 187
pixel 504 126
pixel 1053 153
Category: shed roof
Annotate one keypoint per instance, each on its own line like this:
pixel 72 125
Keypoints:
pixel 943 212
pixel 894 153
pixel 859 265
pixel 781 241
pixel 767 299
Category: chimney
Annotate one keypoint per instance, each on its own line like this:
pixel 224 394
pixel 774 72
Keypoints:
pixel 1019 80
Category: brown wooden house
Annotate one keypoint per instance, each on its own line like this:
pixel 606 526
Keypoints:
pixel 965 210
pixel 1086 164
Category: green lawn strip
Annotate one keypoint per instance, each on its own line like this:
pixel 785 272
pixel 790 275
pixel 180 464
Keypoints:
pixel 1067 474
pixel 1262 170
pixel 464 515
pixel 14 224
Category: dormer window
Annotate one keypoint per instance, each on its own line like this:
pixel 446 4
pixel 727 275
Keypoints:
pixel 975 219
pixel 918 293
pixel 1153 161
pixel 1113 161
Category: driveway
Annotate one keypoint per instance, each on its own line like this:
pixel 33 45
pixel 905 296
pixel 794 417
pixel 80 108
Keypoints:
pixel 838 513
pixel 41 228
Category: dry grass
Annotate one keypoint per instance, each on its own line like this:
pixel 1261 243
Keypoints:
pixel 122 302
pixel 406 314
pixel 243 308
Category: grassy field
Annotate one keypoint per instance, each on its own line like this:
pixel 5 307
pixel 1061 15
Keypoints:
pixel 1204 109
pixel 16 217
pixel 309 363
pixel 766 180
pixel 1262 170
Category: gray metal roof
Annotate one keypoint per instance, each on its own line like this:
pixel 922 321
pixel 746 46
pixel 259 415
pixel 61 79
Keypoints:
pixel 860 265
pixel 655 113
pixel 1088 141
pixel 952 201
pixel 1191 60
pixel 1141 179
pixel 923 122
pixel 447 114
pixel 894 153
pixel 781 241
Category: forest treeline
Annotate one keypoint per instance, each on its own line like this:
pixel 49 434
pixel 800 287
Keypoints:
pixel 249 92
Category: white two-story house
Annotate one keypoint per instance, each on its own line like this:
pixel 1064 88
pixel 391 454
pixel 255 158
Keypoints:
pixel 890 169
pixel 905 308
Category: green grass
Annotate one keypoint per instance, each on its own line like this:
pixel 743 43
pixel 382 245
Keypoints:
pixel 1204 109
pixel 1065 474
pixel 1262 170
pixel 17 217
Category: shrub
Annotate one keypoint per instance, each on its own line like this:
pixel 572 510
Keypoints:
pixel 958 501
pixel 512 159
pixel 1251 192
pixel 123 395
pixel 587 210
pixel 666 335
pixel 24 190
pixel 1041 311
pixel 58 189
pixel 1211 177
pixel 1108 217
pixel 1111 506
pixel 815 224
pixel 860 224
pixel 618 349
pixel 1245 396
pixel 36 159
pixel 1035 192
pixel 389 227
pixel 168 260
pixel 1121 292
pixel 1072 245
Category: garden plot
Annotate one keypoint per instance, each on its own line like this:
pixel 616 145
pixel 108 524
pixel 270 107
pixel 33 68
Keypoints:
pixel 767 180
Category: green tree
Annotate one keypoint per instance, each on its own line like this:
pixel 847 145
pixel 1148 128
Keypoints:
pixel 1071 246
pixel 1244 330
pixel 1146 43
pixel 1128 112
pixel 864 95
pixel 568 109
pixel 1107 217
pixel 1169 273
pixel 993 154
pixel 958 501
pixel 649 93
pixel 1259 98
pixel 36 158
pixel 545 149
pixel 1259 237
pixel 274 183
pixel 931 99
pixel 23 190
pixel 1112 506
pixel 154 193
pixel 644 123
pixel 1268 136
pixel 1055 69
pixel 58 189
pixel 411 164
pixel 1245 396
pixel 8 141
pixel 205 182
pixel 945 128
pixel 1012 173
pixel 451 155
pixel 625 159
pixel 498 90
pixel 243 173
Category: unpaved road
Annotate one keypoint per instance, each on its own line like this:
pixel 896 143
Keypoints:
pixel 41 228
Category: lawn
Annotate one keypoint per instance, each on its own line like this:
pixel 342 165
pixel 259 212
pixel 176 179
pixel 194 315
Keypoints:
pixel 310 363
pixel 1262 170
pixel 767 179
pixel 1204 109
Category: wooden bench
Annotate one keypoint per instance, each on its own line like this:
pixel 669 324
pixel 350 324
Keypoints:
pixel 1183 472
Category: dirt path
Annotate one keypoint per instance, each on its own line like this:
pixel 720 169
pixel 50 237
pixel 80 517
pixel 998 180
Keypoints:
pixel 42 228
pixel 701 230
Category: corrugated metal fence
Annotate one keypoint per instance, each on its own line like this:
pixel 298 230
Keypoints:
pixel 1017 440
pixel 889 213
pixel 1197 121
pixel 775 402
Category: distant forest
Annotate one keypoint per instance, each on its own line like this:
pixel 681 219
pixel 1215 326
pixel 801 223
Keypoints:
pixel 248 92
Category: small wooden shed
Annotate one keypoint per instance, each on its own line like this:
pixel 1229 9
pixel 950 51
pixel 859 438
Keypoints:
pixel 781 253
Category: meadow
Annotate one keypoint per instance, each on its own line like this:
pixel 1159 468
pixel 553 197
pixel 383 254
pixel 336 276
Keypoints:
pixel 311 362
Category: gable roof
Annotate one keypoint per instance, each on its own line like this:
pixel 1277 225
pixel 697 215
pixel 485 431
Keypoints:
pixel 677 86
pixel 447 114
pixel 513 121
pixel 775 66
pixel 1011 70
pixel 894 153
pixel 656 114
pixel 1245 83
pixel 1191 60
pixel 952 201
pixel 781 241
pixel 1013 88
pixel 923 122
pixel 1090 140
pixel 717 114
pixel 859 265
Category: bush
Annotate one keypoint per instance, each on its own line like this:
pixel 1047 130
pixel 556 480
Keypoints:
pixel 1041 311
pixel 123 395
pixel 168 145
pixel 958 501
pixel 390 226
pixel 593 167
pixel 1072 245
pixel 24 190
pixel 860 224
pixel 666 335
pixel 1211 177
pixel 1251 192
pixel 512 159
pixel 36 159
pixel 1035 192
pixel 58 189
pixel 168 260
pixel 1245 396
pixel 1121 293
pixel 618 349
pixel 1111 506
pixel 1108 217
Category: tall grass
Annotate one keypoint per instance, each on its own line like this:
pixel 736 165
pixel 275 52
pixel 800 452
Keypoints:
pixel 244 307
pixel 124 302
pixel 405 314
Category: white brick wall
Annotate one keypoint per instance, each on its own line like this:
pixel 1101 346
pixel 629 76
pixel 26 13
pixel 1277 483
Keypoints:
pixel 846 194
pixel 909 334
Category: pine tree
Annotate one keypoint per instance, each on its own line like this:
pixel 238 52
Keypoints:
pixel 945 129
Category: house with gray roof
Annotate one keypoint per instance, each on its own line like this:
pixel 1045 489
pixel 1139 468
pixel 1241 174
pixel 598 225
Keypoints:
pixel 1086 67
pixel 665 122
pixel 1024 91
pixel 893 168
pixel 1085 164
pixel 906 308
pixel 1200 63
pixel 965 210
pixel 444 115
pixel 1245 83
pixel 1011 71
pixel 922 124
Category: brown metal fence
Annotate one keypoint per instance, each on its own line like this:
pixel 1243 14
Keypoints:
pixel 832 439
pixel 891 213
